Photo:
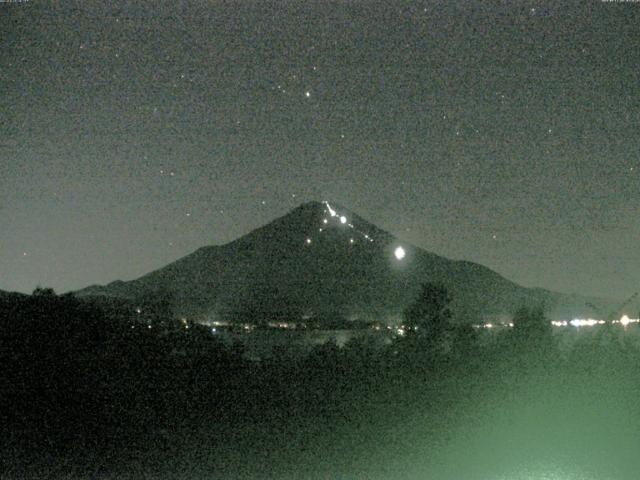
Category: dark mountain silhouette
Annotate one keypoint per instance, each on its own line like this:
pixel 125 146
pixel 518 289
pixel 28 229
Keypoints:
pixel 322 261
pixel 6 296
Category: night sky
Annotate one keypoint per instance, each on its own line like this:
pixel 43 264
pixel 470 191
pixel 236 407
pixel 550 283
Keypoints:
pixel 505 133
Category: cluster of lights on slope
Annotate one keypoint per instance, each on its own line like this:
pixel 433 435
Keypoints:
pixel 399 252
pixel 342 219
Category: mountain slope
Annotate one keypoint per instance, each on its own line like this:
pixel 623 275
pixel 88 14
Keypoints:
pixel 323 260
pixel 4 295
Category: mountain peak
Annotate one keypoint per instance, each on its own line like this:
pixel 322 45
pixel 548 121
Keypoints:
pixel 312 204
pixel 314 220
pixel 324 207
pixel 321 258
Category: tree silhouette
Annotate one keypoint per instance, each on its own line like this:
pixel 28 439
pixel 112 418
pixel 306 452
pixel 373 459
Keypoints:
pixel 531 324
pixel 44 292
pixel 429 315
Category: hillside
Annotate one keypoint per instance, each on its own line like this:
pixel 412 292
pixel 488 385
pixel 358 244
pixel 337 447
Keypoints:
pixel 322 260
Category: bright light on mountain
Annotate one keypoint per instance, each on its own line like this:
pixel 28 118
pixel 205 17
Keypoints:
pixel 399 253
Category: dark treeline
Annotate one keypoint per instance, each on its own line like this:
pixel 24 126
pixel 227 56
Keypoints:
pixel 90 390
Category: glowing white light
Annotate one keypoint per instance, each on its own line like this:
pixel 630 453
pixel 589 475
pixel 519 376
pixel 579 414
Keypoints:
pixel 625 320
pixel 325 221
pixel 343 219
pixel 399 253
pixel 351 240
pixel 308 241
pixel 579 322
pixel 332 212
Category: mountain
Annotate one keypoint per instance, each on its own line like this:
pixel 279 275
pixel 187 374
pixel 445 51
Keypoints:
pixel 321 261
pixel 4 295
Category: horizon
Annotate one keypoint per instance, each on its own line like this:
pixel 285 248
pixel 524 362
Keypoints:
pixel 500 134
pixel 313 202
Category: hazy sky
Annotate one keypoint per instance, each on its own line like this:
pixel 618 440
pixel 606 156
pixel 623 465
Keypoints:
pixel 505 133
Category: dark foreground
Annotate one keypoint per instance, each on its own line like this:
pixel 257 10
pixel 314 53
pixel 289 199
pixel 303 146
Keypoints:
pixel 85 395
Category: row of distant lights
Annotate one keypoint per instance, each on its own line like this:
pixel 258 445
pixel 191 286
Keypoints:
pixel 590 322
pixel 401 330
pixel 576 322
pixel 492 325
pixel 399 251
